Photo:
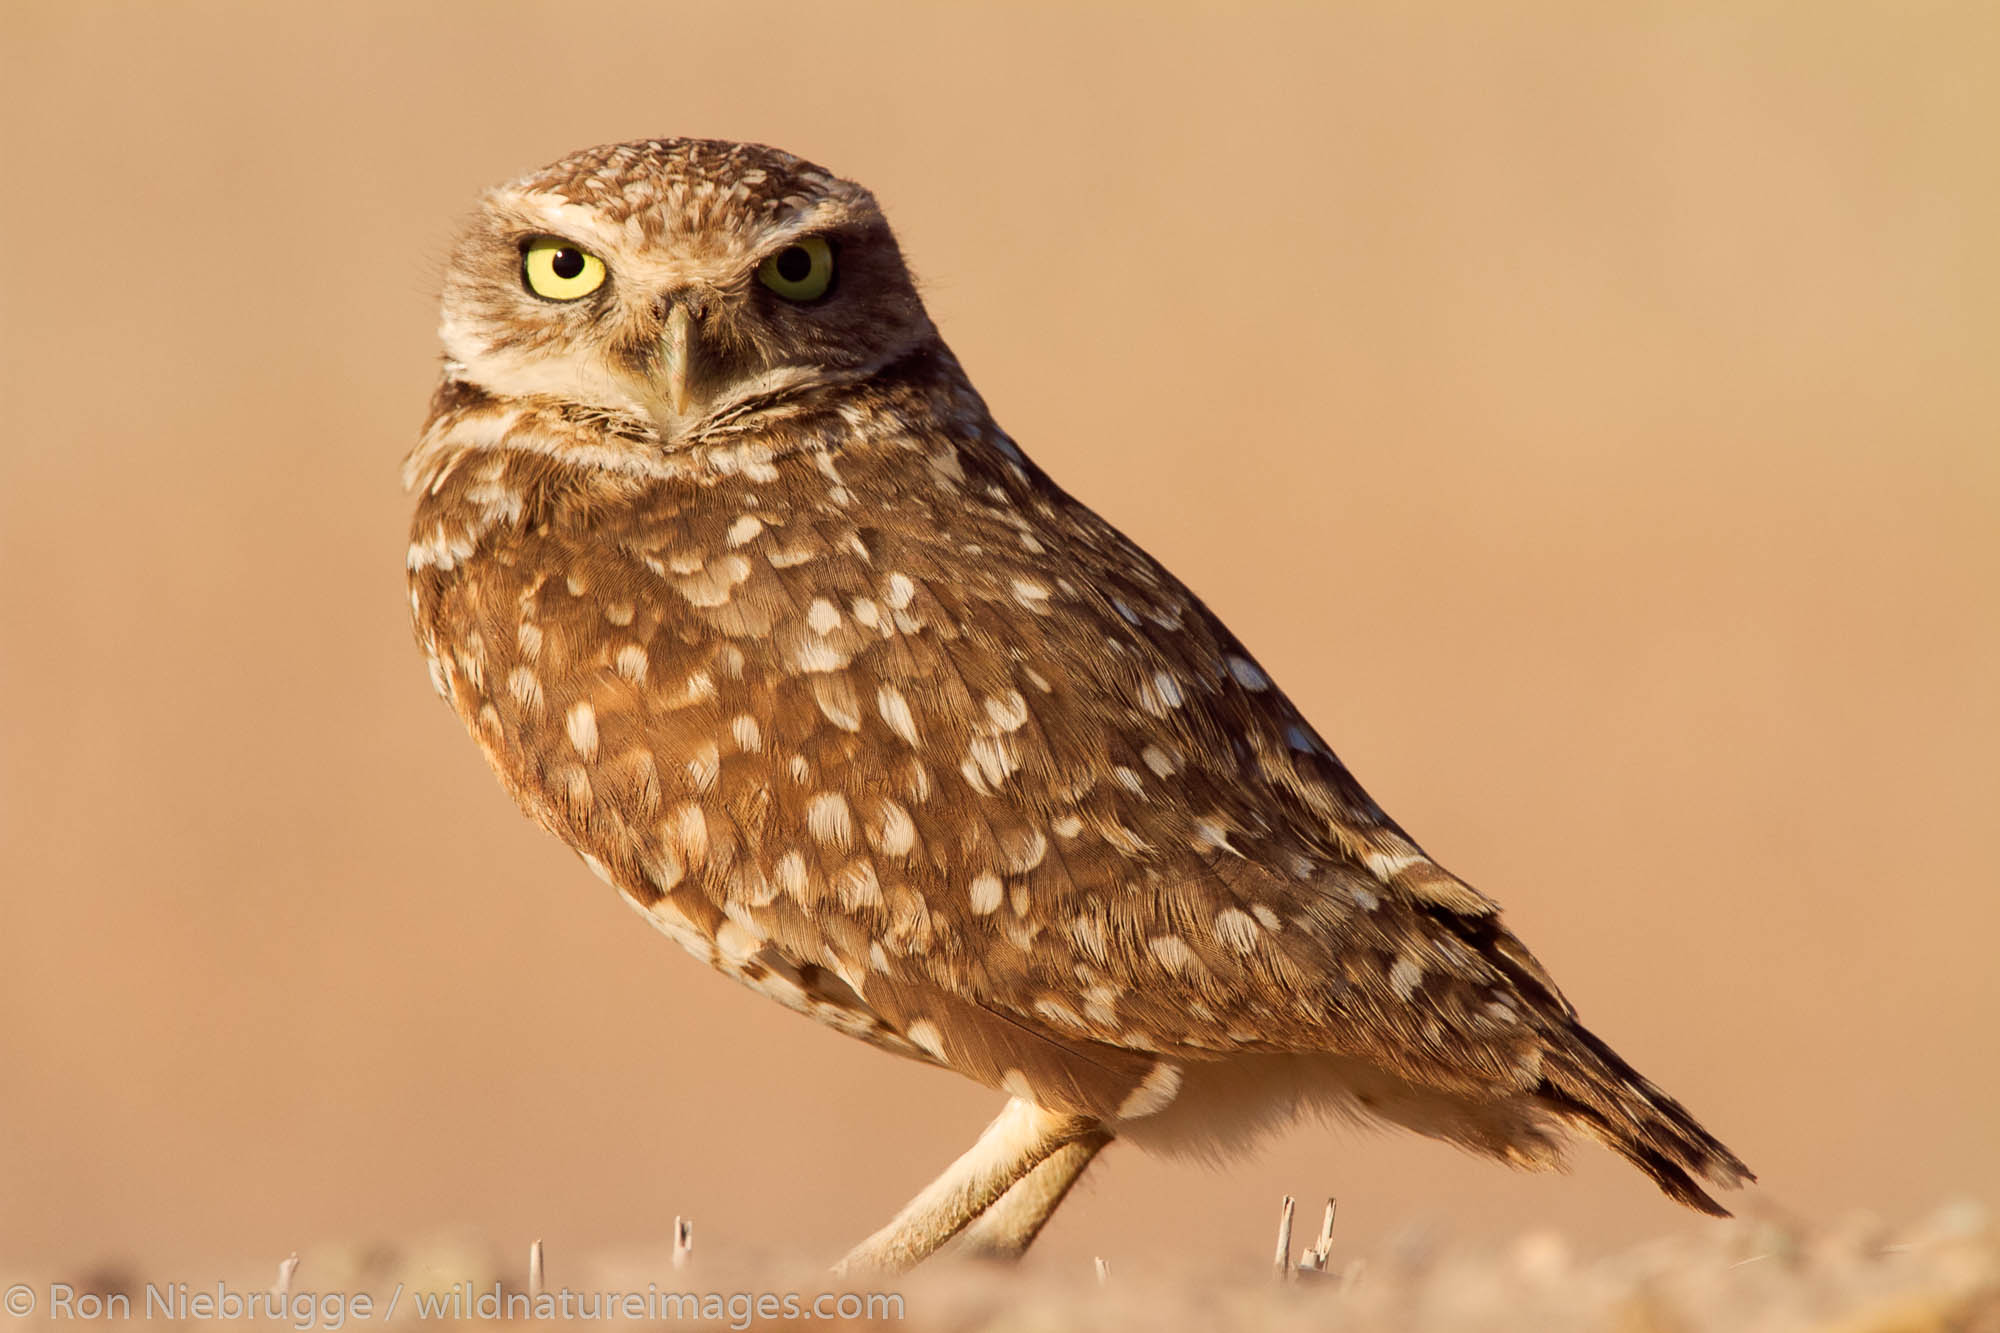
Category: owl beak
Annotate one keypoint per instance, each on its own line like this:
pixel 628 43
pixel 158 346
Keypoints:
pixel 677 346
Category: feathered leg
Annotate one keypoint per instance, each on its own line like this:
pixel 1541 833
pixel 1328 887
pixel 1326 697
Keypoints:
pixel 1020 1139
pixel 1009 1227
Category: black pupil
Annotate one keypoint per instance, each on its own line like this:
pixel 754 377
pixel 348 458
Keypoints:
pixel 795 264
pixel 567 263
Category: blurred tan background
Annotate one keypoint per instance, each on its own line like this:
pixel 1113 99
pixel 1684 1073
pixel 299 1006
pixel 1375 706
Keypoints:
pixel 1590 417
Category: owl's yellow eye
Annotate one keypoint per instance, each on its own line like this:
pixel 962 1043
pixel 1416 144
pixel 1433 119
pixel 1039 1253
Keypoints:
pixel 555 270
pixel 802 271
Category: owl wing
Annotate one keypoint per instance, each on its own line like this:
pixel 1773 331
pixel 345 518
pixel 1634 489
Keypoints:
pixel 1096 818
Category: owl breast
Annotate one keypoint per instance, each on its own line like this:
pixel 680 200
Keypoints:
pixel 641 663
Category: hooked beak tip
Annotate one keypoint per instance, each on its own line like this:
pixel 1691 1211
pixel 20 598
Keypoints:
pixel 678 348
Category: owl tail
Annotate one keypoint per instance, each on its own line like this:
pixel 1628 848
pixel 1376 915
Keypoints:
pixel 1595 1092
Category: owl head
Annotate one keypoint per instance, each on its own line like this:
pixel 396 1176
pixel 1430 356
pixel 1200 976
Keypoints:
pixel 676 280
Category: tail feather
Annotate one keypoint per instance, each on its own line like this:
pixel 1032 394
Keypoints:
pixel 1590 1089
pixel 1589 1086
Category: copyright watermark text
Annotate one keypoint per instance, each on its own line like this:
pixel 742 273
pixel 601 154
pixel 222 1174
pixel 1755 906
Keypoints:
pixel 329 1311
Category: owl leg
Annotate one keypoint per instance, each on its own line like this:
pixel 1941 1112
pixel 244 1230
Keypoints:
pixel 1009 1227
pixel 1021 1138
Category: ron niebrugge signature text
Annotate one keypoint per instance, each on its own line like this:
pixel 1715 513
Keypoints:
pixel 328 1311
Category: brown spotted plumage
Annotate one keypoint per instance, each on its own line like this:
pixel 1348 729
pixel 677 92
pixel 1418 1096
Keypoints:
pixel 747 599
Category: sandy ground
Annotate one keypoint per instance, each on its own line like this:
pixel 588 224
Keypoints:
pixel 1588 416
pixel 1939 1275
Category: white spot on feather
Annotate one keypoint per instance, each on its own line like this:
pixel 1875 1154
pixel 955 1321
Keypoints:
pixel 858 887
pixel 1405 976
pixel 1088 932
pixel 1161 695
pixel 1387 865
pixel 895 710
pixel 1154 1094
pixel 704 765
pixel 837 701
pixel 582 727
pixel 1031 594
pixel 829 820
pixel 817 656
pixel 1058 1012
pixel 1248 674
pixel 1235 928
pixel 1007 711
pixel 1174 954
pixel 790 874
pixel 896 834
pixel 700 688
pixel 1024 850
pixel 717 580
pixel 687 832
pixel 924 1035
pixel 990 761
pixel 1210 833
pixel 735 943
pixel 440 549
pixel 526 688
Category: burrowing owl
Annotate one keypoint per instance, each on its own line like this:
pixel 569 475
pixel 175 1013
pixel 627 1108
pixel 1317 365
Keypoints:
pixel 725 566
